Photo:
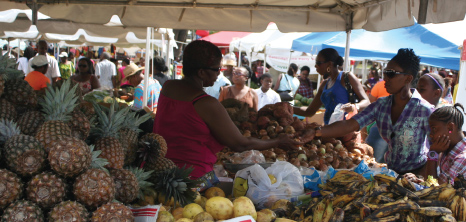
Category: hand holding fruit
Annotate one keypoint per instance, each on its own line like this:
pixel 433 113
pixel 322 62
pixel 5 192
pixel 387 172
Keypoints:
pixel 285 142
pixel 348 107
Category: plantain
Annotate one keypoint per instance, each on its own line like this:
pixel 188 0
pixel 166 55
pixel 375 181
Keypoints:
pixel 384 178
pixel 338 215
pixel 447 194
pixel 403 191
pixel 432 203
pixel 385 199
pixel 342 200
pixel 307 219
pixel 328 210
pixel 454 204
pixel 410 217
pixel 384 219
pixel 424 192
pixel 394 208
pixel 364 212
pixel 463 209
pixel 318 211
pixel 433 211
pixel 406 184
pixel 447 218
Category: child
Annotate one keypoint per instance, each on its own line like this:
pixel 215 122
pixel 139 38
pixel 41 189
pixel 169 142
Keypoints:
pixel 265 94
pixel 448 149
pixel 431 86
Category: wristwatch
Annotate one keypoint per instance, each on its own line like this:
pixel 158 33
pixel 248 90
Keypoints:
pixel 432 155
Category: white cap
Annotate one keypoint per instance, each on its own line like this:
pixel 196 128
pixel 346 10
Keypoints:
pixel 40 60
pixel 229 60
pixel 63 54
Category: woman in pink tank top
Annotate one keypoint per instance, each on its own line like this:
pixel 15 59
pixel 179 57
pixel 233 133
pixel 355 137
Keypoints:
pixel 196 126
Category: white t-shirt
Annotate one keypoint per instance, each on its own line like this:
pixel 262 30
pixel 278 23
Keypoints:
pixel 214 90
pixel 105 70
pixel 23 65
pixel 52 72
pixel 287 81
pixel 269 97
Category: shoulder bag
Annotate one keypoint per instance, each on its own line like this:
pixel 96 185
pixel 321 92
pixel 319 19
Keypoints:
pixel 353 98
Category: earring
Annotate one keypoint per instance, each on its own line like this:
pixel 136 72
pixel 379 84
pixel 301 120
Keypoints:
pixel 449 132
pixel 328 69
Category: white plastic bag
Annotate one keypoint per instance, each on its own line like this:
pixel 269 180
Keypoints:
pixel 247 157
pixel 337 115
pixel 254 182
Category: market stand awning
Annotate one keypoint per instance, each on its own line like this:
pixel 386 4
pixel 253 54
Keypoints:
pixel 224 38
pixel 253 15
pixel 433 49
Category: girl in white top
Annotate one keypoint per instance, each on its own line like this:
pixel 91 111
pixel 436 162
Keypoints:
pixel 265 95
pixel 288 81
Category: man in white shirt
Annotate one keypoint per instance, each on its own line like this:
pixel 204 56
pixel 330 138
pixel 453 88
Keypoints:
pixel 53 72
pixel 105 71
pixel 265 94
pixel 214 90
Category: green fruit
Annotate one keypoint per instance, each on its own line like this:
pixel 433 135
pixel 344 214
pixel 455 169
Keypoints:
pixel 298 97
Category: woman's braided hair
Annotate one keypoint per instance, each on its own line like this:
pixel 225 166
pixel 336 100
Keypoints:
pixel 450 114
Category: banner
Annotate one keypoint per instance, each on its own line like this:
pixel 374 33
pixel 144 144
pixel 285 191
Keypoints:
pixel 281 63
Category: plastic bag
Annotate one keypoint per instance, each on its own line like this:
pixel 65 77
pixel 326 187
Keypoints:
pixel 255 183
pixel 247 157
pixel 337 115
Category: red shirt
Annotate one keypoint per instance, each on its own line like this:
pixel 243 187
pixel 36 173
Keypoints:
pixel 37 80
pixel 189 140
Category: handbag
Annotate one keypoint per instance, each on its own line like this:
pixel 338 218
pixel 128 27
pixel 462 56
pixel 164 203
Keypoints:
pixel 353 98
pixel 286 96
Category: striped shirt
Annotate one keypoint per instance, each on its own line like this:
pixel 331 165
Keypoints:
pixel 408 141
pixel 454 163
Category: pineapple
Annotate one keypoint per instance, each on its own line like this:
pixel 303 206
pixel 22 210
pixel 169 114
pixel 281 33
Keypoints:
pixel 129 135
pixel 57 106
pixel 160 141
pixel 21 94
pixel 23 154
pixel 46 190
pixel 69 157
pixel 112 212
pixel 175 184
pixel 79 124
pixel 94 188
pixel 107 132
pixel 69 211
pixel 88 109
pixel 30 122
pixel 151 148
pixel 129 183
pixel 11 188
pixel 8 71
pixel 23 211
pixel 7 110
pixel 163 164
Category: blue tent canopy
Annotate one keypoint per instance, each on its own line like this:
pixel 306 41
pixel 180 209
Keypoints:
pixel 433 49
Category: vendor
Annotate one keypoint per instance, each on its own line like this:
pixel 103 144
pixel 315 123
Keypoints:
pixel 85 77
pixel 135 76
pixel 37 79
pixel 332 91
pixel 195 125
pixel 402 117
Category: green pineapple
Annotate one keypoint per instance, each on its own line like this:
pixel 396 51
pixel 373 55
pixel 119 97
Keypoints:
pixel 129 135
pixel 106 131
pixel 175 184
pixel 23 154
pixel 57 106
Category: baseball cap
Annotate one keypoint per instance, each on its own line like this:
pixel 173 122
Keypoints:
pixel 40 60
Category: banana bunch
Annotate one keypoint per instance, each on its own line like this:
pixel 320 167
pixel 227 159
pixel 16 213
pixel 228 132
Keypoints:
pixel 350 197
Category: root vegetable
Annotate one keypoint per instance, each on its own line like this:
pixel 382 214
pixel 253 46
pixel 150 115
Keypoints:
pixel 263 122
pixel 304 164
pixel 278 129
pixel 343 154
pixel 297 124
pixel 262 132
pixel 274 123
pixel 302 157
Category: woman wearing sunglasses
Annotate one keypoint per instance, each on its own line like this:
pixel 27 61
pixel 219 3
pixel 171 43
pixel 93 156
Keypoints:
pixel 332 91
pixel 239 90
pixel 85 76
pixel 402 117
pixel 195 125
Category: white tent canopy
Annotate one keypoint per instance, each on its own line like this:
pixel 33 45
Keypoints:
pixel 253 15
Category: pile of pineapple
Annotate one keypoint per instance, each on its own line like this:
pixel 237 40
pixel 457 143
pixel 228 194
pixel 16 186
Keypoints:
pixel 62 159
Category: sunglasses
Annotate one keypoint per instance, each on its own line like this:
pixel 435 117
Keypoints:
pixel 390 73
pixel 319 63
pixel 213 69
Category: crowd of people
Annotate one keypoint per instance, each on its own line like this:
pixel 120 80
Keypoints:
pixel 409 114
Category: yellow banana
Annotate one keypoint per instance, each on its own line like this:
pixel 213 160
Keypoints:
pixel 454 204
pixel 328 211
pixel 343 200
pixel 433 211
pixel 447 218
pixel 319 211
pixel 447 194
pixel 460 209
pixel 432 203
pixel 384 178
pixel 463 204
pixel 385 199
pixel 424 192
pixel 391 209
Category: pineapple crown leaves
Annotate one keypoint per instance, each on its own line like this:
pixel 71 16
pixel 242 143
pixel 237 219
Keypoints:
pixel 8 128
pixel 133 120
pixel 109 124
pixel 8 68
pixel 142 177
pixel 175 183
pixel 58 103
pixel 149 150
pixel 97 162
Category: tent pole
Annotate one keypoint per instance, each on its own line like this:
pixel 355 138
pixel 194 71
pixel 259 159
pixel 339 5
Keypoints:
pixel 18 49
pixel 146 68
pixel 167 61
pixel 347 51
pixel 364 70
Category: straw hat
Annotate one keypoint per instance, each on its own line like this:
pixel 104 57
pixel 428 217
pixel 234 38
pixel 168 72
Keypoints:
pixel 39 61
pixel 229 60
pixel 130 70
